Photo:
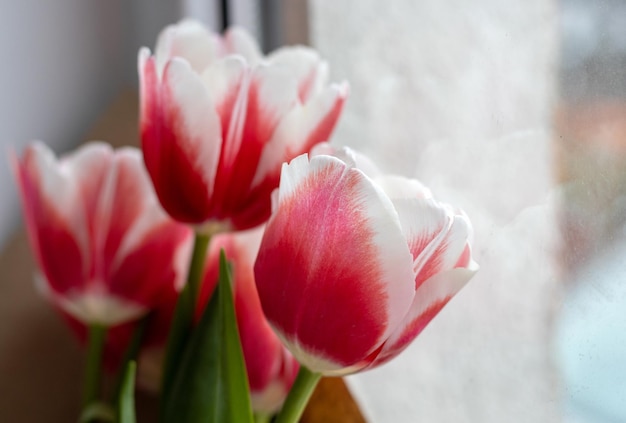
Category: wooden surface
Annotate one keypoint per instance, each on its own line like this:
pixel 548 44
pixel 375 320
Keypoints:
pixel 40 361
pixel 332 403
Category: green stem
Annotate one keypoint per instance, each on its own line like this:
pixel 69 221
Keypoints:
pixel 93 366
pixel 182 321
pixel 126 396
pixel 299 395
pixel 196 267
pixel 262 418
pixel 131 354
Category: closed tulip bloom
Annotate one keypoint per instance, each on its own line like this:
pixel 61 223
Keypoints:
pixel 271 368
pixel 218 119
pixel 106 250
pixel 353 267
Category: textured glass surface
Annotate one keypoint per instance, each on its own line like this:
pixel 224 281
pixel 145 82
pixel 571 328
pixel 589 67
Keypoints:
pixel 514 111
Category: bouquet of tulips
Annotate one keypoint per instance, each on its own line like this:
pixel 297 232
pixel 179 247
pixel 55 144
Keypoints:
pixel 237 257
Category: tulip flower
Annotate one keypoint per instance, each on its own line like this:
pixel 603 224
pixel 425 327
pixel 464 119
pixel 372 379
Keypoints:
pixel 353 267
pixel 218 119
pixel 270 367
pixel 107 252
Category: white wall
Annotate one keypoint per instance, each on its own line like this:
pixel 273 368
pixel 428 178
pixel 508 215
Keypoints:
pixel 144 20
pixel 60 67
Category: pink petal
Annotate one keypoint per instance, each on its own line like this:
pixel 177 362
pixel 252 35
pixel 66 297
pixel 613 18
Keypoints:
pixel 100 307
pixel 88 167
pixel 271 94
pixel 124 197
pixel 334 272
pixel 305 65
pixel 129 213
pixel 227 81
pixel 52 212
pixel 181 139
pixel 150 113
pixel 429 299
pixel 447 254
pixel 189 40
pixel 436 237
pixel 399 187
pixel 302 128
pixel 262 349
pixel 352 157
pixel 238 41
pixel 223 81
pixel 149 92
pixel 146 274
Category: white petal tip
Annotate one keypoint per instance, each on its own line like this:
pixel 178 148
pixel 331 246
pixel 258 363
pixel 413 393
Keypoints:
pixel 342 88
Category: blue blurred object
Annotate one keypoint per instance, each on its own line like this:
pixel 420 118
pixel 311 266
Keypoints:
pixel 590 345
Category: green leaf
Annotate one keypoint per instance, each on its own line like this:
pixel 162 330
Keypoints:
pixel 131 354
pixel 177 337
pixel 182 322
pixel 126 401
pixel 211 385
pixel 97 411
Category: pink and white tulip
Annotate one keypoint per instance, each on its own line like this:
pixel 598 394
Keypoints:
pixel 218 119
pixel 107 252
pixel 353 266
pixel 270 366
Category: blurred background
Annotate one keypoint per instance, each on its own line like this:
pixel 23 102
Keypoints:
pixel 514 111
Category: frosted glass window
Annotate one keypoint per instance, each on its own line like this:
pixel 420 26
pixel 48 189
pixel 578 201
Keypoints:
pixel 516 112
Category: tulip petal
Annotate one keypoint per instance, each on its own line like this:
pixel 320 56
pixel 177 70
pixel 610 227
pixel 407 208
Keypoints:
pixel 337 230
pixel 264 354
pixel 50 202
pixel 133 224
pixel 302 128
pixel 150 114
pixel 305 65
pixel 227 81
pixel 352 157
pixel 92 167
pixel 189 40
pixel 181 140
pixel 399 187
pixel 238 41
pixel 102 309
pixel 447 254
pixel 271 93
pixel 193 118
pixel 92 306
pixel 144 273
pixel 88 167
pixel 123 199
pixel 429 299
pixel 435 236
